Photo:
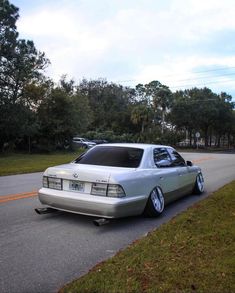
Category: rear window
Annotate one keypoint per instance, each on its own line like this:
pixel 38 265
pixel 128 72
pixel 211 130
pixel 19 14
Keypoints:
pixel 112 156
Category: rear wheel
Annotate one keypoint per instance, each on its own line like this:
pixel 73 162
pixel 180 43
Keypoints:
pixel 155 204
pixel 199 184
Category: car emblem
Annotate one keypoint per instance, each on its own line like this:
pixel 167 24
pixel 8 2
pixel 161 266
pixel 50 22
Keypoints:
pixel 75 175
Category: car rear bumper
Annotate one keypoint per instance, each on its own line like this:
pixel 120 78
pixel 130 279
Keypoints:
pixel 91 205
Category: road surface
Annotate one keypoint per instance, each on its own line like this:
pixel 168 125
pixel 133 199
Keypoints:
pixel 40 253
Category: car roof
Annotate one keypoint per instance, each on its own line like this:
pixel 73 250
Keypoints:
pixel 135 145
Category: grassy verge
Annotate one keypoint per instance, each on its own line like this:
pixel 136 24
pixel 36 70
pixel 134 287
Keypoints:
pixel 194 252
pixel 25 163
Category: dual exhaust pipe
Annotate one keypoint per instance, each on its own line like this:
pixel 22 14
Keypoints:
pixel 97 222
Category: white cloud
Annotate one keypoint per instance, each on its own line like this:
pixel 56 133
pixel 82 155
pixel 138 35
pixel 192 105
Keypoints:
pixel 179 73
pixel 144 40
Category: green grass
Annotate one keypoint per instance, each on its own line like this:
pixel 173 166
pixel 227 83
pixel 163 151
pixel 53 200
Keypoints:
pixel 25 163
pixel 194 252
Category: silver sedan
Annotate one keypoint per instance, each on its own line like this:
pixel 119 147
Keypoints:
pixel 119 180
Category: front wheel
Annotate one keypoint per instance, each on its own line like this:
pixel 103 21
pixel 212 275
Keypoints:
pixel 199 184
pixel 155 204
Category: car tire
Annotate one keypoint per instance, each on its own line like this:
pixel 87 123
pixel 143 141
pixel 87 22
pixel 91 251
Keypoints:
pixel 155 204
pixel 199 184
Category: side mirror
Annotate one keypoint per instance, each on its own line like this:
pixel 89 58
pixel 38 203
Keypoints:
pixel 189 163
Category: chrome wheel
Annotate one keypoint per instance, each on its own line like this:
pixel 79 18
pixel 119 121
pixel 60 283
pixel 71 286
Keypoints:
pixel 155 204
pixel 199 184
pixel 157 199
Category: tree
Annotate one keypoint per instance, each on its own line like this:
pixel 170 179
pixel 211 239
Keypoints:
pixel 54 114
pixel 21 72
pixel 204 101
pixel 223 124
pixel 81 113
pixel 142 116
pixel 158 96
pixel 162 99
pixel 8 33
pixel 67 85
pixel 204 111
pixel 110 104
pixel 61 116
pixel 25 66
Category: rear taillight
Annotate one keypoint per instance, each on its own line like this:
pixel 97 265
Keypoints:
pixel 110 190
pixel 115 190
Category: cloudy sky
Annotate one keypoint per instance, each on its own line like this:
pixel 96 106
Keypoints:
pixel 181 43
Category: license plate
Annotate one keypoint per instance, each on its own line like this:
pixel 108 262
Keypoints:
pixel 76 186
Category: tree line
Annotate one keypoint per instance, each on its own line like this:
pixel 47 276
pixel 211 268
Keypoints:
pixel 38 114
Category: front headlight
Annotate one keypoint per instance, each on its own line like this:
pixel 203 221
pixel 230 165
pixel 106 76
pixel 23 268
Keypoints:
pixel 110 190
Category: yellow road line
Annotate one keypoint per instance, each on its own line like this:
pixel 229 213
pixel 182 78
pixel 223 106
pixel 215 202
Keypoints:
pixel 203 159
pixel 11 197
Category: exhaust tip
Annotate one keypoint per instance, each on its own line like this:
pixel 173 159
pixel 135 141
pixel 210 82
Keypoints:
pixel 42 211
pixel 100 222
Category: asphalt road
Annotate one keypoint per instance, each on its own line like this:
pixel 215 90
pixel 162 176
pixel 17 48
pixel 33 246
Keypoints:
pixel 40 253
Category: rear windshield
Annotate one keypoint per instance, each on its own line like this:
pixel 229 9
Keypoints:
pixel 112 156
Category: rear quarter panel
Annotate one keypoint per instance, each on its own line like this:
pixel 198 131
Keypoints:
pixel 142 182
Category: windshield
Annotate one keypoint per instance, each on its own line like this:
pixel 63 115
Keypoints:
pixel 112 156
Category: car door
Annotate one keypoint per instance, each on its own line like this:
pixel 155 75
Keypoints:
pixel 183 171
pixel 167 173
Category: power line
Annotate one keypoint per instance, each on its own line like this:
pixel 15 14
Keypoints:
pixel 196 72
pixel 202 84
pixel 201 77
pixel 211 70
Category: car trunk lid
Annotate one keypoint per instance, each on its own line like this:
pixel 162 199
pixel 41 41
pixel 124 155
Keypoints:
pixel 86 173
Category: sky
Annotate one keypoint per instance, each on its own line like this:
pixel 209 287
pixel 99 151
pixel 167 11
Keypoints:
pixel 181 43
